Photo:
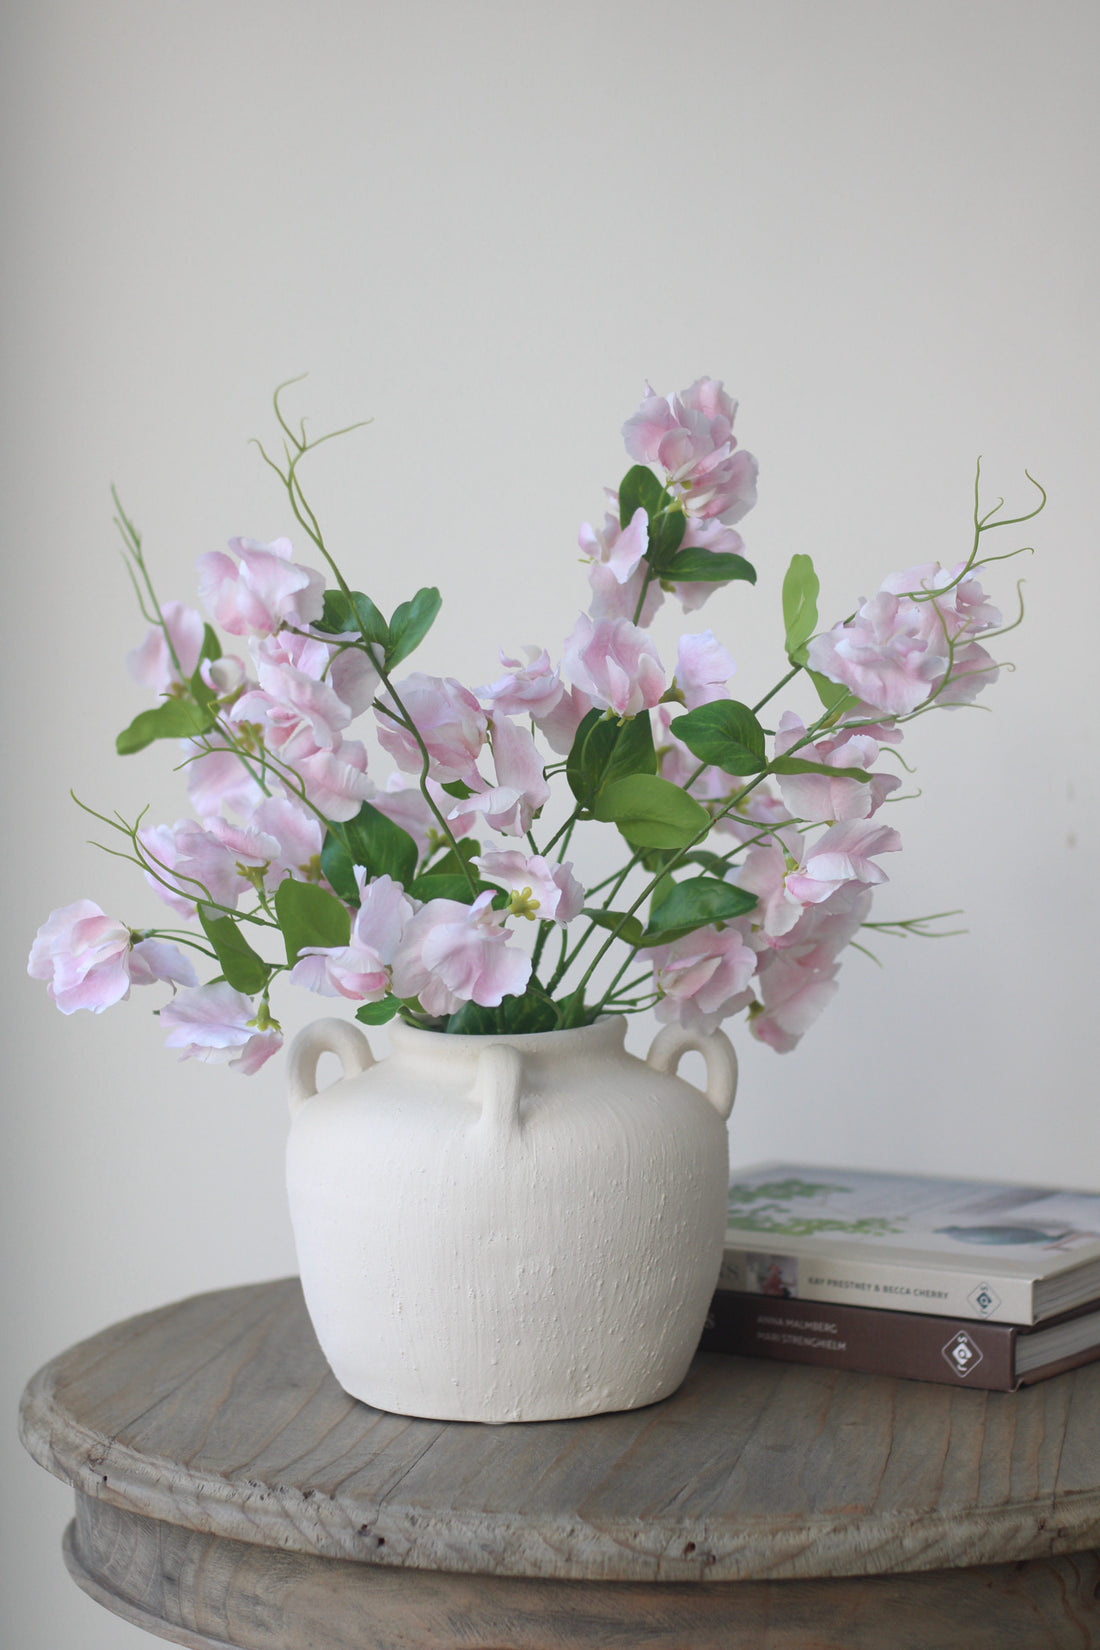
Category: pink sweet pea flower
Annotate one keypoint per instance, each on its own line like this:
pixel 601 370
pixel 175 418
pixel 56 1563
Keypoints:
pixel 704 977
pixel 612 600
pixel 534 689
pixel 842 855
pixel 360 970
pixel 89 961
pixel 217 1024
pixel 521 790
pixel 895 653
pixel 615 664
pixel 615 547
pixel 282 837
pixel 559 726
pixel 796 980
pixel 703 669
pixel 816 797
pixel 453 954
pixel 546 890
pixel 449 720
pixel 151 663
pixel 189 864
pixel 690 437
pixel 263 591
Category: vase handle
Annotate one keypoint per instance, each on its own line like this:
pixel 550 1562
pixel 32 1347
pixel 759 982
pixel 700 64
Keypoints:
pixel 331 1036
pixel 673 1042
pixel 498 1088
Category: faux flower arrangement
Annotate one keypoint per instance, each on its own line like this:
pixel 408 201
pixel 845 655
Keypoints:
pixel 750 852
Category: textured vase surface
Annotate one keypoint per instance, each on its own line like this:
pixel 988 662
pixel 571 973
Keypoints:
pixel 508 1228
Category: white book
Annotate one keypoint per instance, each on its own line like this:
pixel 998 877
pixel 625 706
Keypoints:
pixel 952 1248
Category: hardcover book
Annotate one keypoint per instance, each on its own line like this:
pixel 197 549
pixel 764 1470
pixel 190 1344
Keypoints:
pixel 997 1357
pixel 964 1249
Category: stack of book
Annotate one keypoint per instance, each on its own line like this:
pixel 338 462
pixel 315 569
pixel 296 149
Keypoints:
pixel 964 1282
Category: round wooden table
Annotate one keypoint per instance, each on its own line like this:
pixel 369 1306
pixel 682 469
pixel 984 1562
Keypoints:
pixel 229 1493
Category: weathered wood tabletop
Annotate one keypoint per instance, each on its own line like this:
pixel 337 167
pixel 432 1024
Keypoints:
pixel 229 1493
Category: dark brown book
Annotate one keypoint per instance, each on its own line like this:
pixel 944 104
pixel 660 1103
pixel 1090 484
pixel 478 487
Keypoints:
pixel 959 1352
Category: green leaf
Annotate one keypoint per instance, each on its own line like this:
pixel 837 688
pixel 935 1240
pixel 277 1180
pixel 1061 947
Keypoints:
pixel 800 592
pixel 342 615
pixel 641 490
pixel 708 567
pixel 411 623
pixel 373 841
pixel 243 968
pixel 724 733
pixel 309 915
pixel 211 644
pixel 472 1019
pixel 458 788
pixel 605 750
pixel 631 930
pixel 171 719
pixel 444 885
pixel 451 863
pixel 697 902
pixel 796 764
pixel 376 1014
pixel 532 1011
pixel 835 697
pixel 652 812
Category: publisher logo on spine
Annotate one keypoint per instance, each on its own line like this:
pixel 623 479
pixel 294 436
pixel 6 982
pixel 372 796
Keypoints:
pixel 962 1354
pixel 984 1300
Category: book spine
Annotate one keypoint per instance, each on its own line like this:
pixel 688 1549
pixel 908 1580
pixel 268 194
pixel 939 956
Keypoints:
pixel 886 1285
pixel 956 1352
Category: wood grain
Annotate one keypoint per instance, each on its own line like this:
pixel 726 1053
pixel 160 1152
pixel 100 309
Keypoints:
pixel 219 1414
pixel 210 1593
pixel 230 1494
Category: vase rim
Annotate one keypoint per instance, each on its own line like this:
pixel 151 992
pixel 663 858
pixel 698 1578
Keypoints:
pixel 609 1029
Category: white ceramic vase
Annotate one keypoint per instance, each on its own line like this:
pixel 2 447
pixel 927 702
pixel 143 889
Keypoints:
pixel 508 1228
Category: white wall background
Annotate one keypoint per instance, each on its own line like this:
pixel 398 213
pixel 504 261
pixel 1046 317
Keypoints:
pixel 483 225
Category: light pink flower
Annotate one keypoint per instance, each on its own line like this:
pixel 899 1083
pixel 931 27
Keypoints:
pixel 152 960
pixel 615 547
pixel 521 790
pixel 555 894
pixel 217 1024
pixel 346 671
pixel 151 663
pixel 615 664
pixel 360 970
pixel 449 720
pixel 224 676
pixel 894 654
pixel 534 689
pixel 559 726
pixel 703 669
pixel 189 864
pixel 612 600
pixel 796 980
pixel 262 591
pixel 453 954
pixel 336 782
pixel 88 961
pixel 690 437
pixel 816 797
pixel 220 779
pixel 841 855
pixel 703 977
pixel 282 837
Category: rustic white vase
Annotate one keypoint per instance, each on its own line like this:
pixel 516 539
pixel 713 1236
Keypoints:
pixel 498 1228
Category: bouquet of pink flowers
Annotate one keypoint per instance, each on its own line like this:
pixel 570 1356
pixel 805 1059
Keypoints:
pixel 750 853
